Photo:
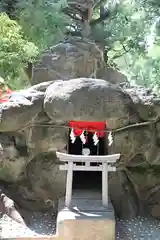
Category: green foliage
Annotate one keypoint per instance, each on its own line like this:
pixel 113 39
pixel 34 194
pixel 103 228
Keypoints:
pixel 15 50
pixel 134 43
pixel 42 21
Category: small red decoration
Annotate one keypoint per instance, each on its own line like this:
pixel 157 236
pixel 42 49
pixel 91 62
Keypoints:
pixel 4 95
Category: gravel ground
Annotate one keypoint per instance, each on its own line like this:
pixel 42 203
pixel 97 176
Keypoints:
pixel 138 229
pixel 43 224
pixel 40 224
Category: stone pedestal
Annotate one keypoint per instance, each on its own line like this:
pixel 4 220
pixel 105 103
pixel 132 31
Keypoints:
pixel 86 219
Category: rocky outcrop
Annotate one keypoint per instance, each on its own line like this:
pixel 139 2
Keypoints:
pixel 89 99
pixel 123 195
pixel 72 58
pixel 112 75
pixel 26 104
pixel 24 149
pixel 71 81
pixel 28 142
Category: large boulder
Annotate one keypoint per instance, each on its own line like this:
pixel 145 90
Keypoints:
pixel 146 182
pixel 74 58
pixel 88 99
pixel 20 109
pixel 112 75
pixel 22 141
pixel 46 180
pixel 13 156
pixel 135 145
pixel 69 59
pixel 146 102
pixel 16 114
pixel 123 195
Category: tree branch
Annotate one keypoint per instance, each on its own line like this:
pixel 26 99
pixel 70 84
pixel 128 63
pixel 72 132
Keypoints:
pixel 106 13
pixel 72 14
pixel 100 19
pixel 98 3
pixel 120 55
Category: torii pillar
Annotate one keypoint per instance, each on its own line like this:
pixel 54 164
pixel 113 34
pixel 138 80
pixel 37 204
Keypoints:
pixel 84 215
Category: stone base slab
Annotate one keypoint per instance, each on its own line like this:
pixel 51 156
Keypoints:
pixel 86 219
